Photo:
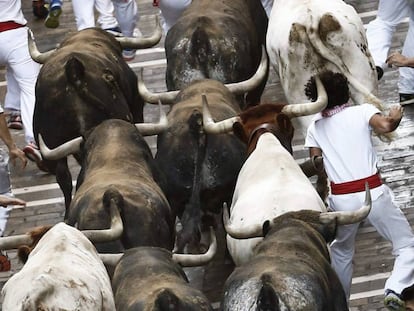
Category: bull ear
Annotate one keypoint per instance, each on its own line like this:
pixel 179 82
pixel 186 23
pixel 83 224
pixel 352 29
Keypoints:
pixel 23 253
pixel 266 227
pixel 238 130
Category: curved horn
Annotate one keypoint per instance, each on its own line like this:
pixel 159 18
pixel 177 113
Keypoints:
pixel 252 83
pixel 191 260
pixel 299 110
pixel 11 242
pixel 212 127
pixel 36 55
pixel 110 259
pixel 253 231
pixel 346 218
pixel 147 129
pixel 166 98
pixel 111 234
pixel 142 43
pixel 61 151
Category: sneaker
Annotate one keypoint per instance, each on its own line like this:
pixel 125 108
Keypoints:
pixel 392 301
pixel 39 9
pixel 115 31
pixel 4 263
pixel 33 154
pixel 15 122
pixel 52 19
pixel 406 99
pixel 128 54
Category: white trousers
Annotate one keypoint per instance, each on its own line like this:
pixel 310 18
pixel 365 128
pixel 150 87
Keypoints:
pixel 391 224
pixel 170 11
pixel 12 98
pixel 126 12
pixel 380 32
pixel 14 53
pixel 85 16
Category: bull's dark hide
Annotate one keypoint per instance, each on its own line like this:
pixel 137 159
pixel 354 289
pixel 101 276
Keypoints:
pixel 84 82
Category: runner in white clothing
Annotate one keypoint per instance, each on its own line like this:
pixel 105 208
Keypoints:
pixel 380 32
pixel 342 135
pixel 14 53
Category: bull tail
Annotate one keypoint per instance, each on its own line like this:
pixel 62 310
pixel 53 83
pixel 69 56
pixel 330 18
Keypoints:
pixel 331 56
pixel 114 195
pixel 267 298
pixel 201 49
pixel 191 218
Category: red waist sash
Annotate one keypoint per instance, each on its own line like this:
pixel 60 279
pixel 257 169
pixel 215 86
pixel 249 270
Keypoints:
pixel 9 25
pixel 358 185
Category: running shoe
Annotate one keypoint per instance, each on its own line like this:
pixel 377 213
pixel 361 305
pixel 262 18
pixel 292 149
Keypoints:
pixel 33 154
pixel 15 122
pixel 55 9
pixel 393 301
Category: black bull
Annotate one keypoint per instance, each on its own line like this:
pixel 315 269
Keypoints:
pixel 215 39
pixel 290 269
pixel 82 83
pixel 200 169
pixel 116 156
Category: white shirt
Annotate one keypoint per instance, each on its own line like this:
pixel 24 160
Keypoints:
pixel 345 140
pixel 11 10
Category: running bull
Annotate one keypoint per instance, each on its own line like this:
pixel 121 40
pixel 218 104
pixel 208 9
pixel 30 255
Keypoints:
pixel 267 184
pixel 62 269
pixel 307 37
pixel 152 278
pixel 291 269
pixel 200 169
pixel 116 156
pixel 83 82
pixel 218 40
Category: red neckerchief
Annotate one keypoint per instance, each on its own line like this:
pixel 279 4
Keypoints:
pixel 331 111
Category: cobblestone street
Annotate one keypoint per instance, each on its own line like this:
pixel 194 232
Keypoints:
pixel 373 260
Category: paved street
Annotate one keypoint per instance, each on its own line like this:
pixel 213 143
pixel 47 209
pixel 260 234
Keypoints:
pixel 373 259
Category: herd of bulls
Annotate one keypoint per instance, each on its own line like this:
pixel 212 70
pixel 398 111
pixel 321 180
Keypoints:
pixel 118 248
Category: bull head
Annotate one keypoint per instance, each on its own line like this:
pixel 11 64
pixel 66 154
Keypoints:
pixel 185 260
pixel 95 236
pixel 73 146
pixel 292 111
pixel 238 88
pixel 341 218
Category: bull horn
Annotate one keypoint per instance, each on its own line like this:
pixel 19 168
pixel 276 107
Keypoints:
pixel 347 218
pixel 299 110
pixel 111 234
pixel 252 83
pixel 253 231
pixel 111 259
pixel 166 98
pixel 192 260
pixel 212 127
pixel 12 242
pixel 142 43
pixel 70 147
pixel 147 129
pixel 36 55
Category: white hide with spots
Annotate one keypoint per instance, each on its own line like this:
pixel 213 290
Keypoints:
pixel 269 184
pixel 63 272
pixel 300 45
